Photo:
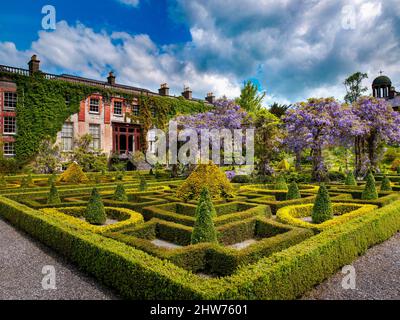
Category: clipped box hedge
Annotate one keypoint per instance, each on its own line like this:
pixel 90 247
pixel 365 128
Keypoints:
pixel 343 212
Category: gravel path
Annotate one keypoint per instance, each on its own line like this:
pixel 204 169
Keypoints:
pixel 377 276
pixel 21 262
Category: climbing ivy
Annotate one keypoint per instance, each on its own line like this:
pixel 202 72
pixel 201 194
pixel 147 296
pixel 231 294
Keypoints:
pixel 44 105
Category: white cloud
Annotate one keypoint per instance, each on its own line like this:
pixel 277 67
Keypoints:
pixel 133 3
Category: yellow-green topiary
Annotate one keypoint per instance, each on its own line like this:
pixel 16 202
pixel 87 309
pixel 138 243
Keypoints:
pixel 74 174
pixel 283 165
pixel 206 176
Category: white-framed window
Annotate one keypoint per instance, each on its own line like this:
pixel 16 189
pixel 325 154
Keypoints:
pixel 10 125
pixel 118 108
pixel 10 101
pixel 67 137
pixel 9 149
pixel 94 105
pixel 95 132
pixel 136 111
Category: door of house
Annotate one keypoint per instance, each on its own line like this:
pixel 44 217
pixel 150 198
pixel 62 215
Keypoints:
pixel 126 138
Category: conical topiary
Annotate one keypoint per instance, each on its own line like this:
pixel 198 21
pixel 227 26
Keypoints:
pixel 95 212
pixel 26 181
pixel 206 197
pixel 294 192
pixel 3 182
pixel 142 184
pixel 370 192
pixel 386 184
pixel 322 210
pixel 204 229
pixel 52 180
pixel 54 197
pixel 120 194
pixel 350 179
pixel 74 174
pixel 281 183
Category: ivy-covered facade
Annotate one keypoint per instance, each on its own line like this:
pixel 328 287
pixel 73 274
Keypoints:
pixel 35 106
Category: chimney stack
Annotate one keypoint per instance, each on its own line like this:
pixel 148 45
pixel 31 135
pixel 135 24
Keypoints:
pixel 34 65
pixel 111 79
pixel 164 90
pixel 187 93
pixel 210 98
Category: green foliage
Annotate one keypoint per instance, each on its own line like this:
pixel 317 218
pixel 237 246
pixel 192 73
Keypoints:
pixel 280 183
pixel 27 181
pixel 89 160
pixel 350 179
pixel 279 110
pixel 354 87
pixel 204 229
pixel 3 182
pixel 386 184
pixel 48 157
pixel 95 212
pixel 120 194
pixel 241 179
pixel 294 192
pixel 283 165
pixel 74 174
pixel 52 180
pixel 142 183
pixel 322 210
pixel 398 170
pixel 250 99
pixel 209 176
pixel 54 197
pixel 370 192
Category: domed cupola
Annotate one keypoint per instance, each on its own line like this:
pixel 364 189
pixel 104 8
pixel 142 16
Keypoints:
pixel 381 87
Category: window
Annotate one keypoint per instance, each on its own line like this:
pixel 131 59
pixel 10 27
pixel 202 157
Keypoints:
pixel 67 100
pixel 136 111
pixel 9 148
pixel 118 108
pixel 10 125
pixel 10 100
pixel 67 137
pixel 94 105
pixel 95 132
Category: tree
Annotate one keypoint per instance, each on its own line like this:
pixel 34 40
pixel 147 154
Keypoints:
pixel 294 192
pixel 354 87
pixel 267 140
pixel 120 194
pixel 318 124
pixel 370 192
pixel 54 197
pixel 95 212
pixel 279 110
pixel 322 210
pixel 250 98
pixel 350 179
pixel 386 184
pixel 48 157
pixel 204 229
pixel 90 160
pixel 376 123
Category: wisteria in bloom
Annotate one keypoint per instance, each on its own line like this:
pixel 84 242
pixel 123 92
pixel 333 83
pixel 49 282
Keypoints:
pixel 317 124
pixel 377 123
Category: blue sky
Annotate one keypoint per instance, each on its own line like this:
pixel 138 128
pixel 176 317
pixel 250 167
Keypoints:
pixel 292 49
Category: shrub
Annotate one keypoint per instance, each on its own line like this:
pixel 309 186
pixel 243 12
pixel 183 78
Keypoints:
pixel 322 210
pixel 281 183
pixel 395 164
pixel 52 180
pixel 120 194
pixel 205 176
pixel 336 176
pixel 3 182
pixel 142 184
pixel 54 197
pixel 204 229
pixel 241 179
pixel 370 192
pixel 206 198
pixel 74 174
pixel 350 179
pixel 386 184
pixel 95 213
pixel 294 192
pixel 398 170
pixel 26 181
pixel 283 165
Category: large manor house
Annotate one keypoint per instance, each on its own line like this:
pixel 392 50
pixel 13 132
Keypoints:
pixel 106 120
